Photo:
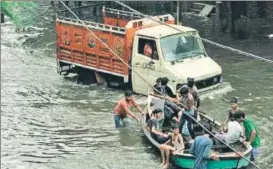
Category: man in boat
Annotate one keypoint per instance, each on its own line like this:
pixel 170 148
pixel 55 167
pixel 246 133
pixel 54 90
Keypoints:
pixel 193 90
pixel 122 109
pixel 156 131
pixel 165 88
pixel 251 133
pixel 201 148
pixel 234 133
pixel 157 86
pixel 175 144
pixel 188 112
pixel 233 110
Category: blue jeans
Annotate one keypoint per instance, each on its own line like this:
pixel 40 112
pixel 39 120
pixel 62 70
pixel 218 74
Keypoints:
pixel 254 154
pixel 117 120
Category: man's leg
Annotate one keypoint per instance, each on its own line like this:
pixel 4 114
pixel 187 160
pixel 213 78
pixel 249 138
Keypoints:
pixel 162 151
pixel 117 121
pixel 254 154
pixel 189 123
pixel 183 120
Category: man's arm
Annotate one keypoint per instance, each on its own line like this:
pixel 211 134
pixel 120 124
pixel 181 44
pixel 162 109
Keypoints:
pixel 137 106
pixel 158 133
pixel 253 135
pixel 229 114
pixel 179 116
pixel 129 112
pixel 167 142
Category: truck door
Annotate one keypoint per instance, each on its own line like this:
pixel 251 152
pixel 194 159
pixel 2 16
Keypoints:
pixel 146 63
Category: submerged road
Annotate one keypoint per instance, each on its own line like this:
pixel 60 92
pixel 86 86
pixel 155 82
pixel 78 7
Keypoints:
pixel 48 121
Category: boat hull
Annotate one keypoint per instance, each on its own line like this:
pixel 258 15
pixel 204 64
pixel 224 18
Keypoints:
pixel 188 163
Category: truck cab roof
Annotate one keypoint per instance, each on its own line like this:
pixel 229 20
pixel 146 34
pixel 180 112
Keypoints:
pixel 163 30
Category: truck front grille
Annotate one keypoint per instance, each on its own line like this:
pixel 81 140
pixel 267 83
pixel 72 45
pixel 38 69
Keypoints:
pixel 208 82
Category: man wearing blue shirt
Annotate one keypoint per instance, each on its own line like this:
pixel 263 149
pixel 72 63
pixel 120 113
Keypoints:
pixel 201 148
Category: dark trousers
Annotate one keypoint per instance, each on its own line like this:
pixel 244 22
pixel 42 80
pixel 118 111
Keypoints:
pixel 190 123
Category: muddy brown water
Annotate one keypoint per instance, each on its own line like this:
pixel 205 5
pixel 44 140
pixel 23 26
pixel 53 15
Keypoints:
pixel 48 121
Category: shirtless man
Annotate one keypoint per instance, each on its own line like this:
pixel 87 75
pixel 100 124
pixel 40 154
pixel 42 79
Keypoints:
pixel 122 109
pixel 193 90
pixel 188 101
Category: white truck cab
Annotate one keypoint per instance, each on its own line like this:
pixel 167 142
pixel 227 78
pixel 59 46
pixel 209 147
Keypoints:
pixel 176 55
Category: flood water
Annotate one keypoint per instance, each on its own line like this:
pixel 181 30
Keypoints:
pixel 48 121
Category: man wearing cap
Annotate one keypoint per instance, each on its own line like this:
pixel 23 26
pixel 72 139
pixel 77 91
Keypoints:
pixel 251 133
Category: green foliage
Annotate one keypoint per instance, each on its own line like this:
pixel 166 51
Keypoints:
pixel 22 13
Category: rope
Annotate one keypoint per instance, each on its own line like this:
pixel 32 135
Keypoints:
pixel 147 82
pixel 205 40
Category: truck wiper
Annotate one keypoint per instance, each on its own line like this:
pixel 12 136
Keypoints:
pixel 180 58
pixel 199 53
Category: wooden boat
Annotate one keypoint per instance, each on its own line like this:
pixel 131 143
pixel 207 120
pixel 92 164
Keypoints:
pixel 227 158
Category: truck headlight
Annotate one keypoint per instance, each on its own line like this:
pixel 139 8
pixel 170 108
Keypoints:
pixel 215 79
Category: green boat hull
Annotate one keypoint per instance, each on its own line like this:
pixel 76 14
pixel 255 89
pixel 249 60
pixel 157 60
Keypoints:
pixel 188 163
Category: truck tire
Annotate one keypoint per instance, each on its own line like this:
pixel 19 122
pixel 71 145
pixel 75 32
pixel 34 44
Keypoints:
pixel 85 76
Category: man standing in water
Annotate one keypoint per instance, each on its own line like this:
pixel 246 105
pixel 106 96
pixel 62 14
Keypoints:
pixel 122 109
pixel 233 110
pixel 201 148
pixel 251 133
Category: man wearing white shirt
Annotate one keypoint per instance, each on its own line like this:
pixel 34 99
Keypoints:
pixel 234 133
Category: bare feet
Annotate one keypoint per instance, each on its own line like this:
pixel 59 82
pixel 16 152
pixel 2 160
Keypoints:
pixel 175 152
pixel 166 166
pixel 163 163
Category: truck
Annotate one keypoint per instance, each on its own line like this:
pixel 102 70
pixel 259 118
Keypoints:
pixel 175 54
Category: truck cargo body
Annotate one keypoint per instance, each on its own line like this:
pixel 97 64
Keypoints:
pixel 77 46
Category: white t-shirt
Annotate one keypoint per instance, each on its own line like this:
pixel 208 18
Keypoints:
pixel 235 130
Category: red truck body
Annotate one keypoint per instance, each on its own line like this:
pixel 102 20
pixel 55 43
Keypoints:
pixel 77 46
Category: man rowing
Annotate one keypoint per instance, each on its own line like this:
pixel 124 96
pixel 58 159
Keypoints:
pixel 122 109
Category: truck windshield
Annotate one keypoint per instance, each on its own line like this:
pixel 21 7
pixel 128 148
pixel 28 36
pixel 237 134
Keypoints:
pixel 180 46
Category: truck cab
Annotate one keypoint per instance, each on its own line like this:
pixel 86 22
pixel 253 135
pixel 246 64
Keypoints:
pixel 176 55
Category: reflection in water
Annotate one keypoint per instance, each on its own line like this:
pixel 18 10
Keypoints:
pixel 51 122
